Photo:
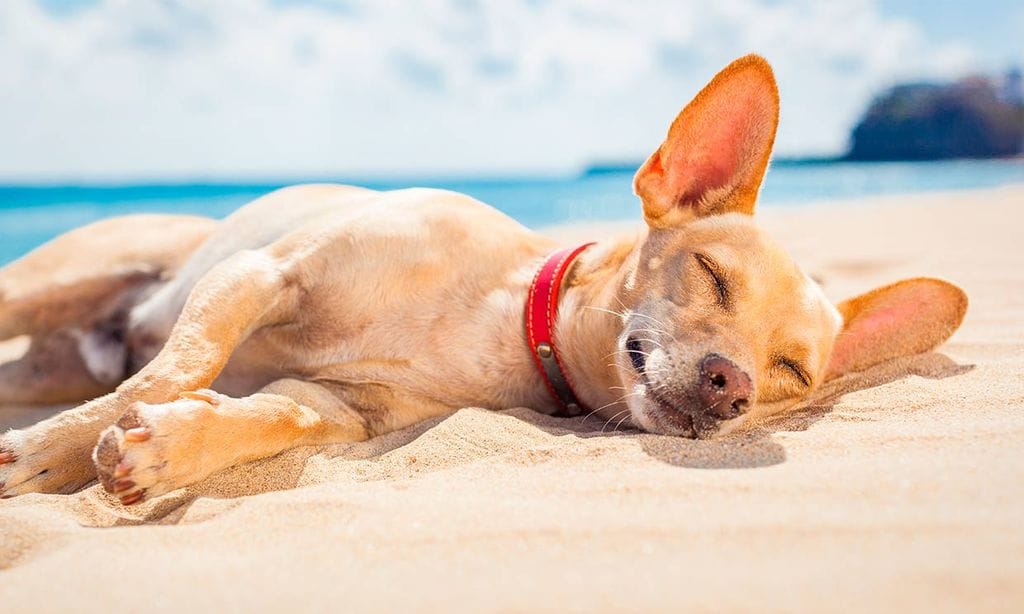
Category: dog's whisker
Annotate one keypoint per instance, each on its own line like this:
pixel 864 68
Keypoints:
pixel 648 354
pixel 620 351
pixel 652 329
pixel 657 331
pixel 617 414
pixel 627 311
pixel 612 418
pixel 603 310
pixel 650 341
pixel 621 399
pixel 712 406
pixel 618 400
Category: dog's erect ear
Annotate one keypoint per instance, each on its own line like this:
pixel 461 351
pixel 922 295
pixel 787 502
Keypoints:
pixel 904 318
pixel 717 149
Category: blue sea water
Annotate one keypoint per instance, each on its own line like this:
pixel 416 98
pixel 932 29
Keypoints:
pixel 31 215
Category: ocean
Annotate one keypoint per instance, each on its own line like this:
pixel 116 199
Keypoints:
pixel 32 214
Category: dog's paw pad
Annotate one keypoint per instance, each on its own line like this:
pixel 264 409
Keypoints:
pixel 115 470
pixel 147 452
pixel 107 455
pixel 131 418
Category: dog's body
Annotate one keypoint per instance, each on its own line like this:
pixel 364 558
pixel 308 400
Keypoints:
pixel 325 314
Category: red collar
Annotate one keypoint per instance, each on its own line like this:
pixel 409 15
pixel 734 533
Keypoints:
pixel 541 314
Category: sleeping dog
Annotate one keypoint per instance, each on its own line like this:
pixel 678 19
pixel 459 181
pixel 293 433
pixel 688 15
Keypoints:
pixel 322 314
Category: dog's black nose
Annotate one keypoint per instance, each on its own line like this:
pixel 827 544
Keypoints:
pixel 724 388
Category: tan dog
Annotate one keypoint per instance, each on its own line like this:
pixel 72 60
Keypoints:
pixel 324 314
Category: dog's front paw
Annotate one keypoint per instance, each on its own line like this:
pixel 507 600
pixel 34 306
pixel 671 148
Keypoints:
pixel 154 449
pixel 45 458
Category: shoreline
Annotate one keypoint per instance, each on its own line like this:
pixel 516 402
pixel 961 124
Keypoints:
pixel 563 173
pixel 577 231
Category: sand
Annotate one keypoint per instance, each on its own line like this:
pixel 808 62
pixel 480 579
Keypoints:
pixel 902 487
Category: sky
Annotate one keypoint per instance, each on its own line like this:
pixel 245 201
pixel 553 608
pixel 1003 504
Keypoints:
pixel 110 90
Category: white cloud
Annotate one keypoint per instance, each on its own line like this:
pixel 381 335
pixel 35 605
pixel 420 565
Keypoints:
pixel 291 87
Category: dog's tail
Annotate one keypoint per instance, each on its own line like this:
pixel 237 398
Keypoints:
pixel 80 287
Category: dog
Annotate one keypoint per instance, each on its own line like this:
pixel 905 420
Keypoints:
pixel 322 314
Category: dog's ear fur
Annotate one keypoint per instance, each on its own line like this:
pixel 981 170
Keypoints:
pixel 717 149
pixel 904 318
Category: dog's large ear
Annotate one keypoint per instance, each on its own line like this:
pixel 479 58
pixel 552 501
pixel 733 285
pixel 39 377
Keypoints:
pixel 904 318
pixel 717 149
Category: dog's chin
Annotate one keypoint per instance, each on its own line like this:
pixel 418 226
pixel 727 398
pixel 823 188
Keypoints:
pixel 656 416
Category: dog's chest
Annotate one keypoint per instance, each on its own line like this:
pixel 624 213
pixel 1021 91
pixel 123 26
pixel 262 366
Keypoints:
pixel 451 331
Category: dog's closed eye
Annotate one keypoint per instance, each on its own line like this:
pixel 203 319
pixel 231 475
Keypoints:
pixel 718 279
pixel 795 369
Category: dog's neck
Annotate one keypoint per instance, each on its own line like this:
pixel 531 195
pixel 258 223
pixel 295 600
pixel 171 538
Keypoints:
pixel 590 321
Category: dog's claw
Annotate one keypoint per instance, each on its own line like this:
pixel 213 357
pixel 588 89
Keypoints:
pixel 137 435
pixel 133 498
pixel 122 485
pixel 122 469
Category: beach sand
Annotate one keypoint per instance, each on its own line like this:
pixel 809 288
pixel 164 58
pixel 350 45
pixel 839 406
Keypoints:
pixel 902 487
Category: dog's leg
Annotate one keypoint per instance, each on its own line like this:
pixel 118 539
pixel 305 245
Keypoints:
pixel 157 448
pixel 50 370
pixel 243 293
pixel 69 281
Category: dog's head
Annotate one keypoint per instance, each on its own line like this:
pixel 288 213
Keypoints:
pixel 718 317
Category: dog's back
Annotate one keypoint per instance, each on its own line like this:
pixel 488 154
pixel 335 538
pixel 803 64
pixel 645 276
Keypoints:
pixel 253 226
pixel 381 262
pixel 101 301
